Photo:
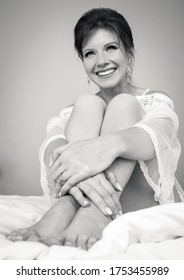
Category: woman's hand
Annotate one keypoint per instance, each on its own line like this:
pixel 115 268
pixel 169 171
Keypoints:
pixel 83 159
pixel 103 192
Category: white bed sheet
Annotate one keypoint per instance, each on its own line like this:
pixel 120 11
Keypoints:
pixel 153 233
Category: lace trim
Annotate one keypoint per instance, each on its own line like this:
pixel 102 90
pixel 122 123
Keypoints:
pixel 149 100
pixel 46 185
pixel 158 189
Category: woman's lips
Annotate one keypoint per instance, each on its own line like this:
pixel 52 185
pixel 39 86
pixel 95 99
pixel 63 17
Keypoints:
pixel 106 73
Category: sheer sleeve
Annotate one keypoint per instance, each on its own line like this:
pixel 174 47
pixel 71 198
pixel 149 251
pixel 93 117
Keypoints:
pixel 55 129
pixel 161 123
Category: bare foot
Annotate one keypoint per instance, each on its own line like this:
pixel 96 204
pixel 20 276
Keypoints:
pixel 85 229
pixel 51 224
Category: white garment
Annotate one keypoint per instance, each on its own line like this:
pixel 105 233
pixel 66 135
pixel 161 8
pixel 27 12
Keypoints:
pixel 160 122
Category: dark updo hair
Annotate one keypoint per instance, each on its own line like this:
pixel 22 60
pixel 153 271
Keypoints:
pixel 102 18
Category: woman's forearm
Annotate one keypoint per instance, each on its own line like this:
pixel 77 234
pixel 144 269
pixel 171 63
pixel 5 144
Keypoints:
pixel 133 143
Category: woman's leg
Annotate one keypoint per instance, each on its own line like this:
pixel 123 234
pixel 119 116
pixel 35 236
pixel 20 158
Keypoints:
pixel 85 123
pixel 56 220
pixel 86 119
pixel 124 111
pixel 47 229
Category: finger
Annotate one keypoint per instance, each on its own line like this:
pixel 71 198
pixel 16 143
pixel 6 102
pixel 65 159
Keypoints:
pixel 57 190
pixel 78 195
pixel 53 158
pixel 113 193
pixel 60 170
pixel 106 184
pixel 101 189
pixel 94 196
pixel 112 178
pixel 57 152
pixel 71 182
pixel 60 149
pixel 55 164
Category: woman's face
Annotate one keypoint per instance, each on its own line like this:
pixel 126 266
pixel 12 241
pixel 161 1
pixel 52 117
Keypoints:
pixel 105 60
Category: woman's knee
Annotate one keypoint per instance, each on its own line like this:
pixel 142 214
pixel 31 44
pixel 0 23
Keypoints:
pixel 126 104
pixel 90 101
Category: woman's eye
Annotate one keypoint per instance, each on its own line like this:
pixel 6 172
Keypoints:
pixel 88 54
pixel 112 48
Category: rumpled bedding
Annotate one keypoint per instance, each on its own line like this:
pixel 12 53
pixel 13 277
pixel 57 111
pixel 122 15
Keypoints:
pixel 152 233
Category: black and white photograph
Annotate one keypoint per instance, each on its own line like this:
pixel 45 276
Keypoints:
pixel 91 130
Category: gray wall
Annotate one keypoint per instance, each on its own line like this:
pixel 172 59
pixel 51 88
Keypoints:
pixel 40 72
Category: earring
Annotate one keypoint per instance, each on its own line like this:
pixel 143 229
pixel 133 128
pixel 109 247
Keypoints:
pixel 129 71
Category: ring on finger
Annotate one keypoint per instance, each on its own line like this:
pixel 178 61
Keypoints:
pixel 61 180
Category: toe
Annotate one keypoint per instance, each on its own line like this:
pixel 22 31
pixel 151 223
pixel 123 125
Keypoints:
pixel 51 241
pixel 16 235
pixel 70 239
pixel 91 241
pixel 82 241
pixel 61 238
pixel 32 236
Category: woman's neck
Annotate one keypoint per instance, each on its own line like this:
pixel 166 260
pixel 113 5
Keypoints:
pixel 108 94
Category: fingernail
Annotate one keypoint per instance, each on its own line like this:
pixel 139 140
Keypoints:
pixel 119 187
pixel 51 161
pixel 120 212
pixel 108 211
pixel 85 202
pixel 118 215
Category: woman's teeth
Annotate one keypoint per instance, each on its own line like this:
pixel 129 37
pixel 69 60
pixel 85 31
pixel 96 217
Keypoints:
pixel 105 73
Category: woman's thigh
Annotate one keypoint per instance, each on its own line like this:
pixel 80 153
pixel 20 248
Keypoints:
pixel 137 194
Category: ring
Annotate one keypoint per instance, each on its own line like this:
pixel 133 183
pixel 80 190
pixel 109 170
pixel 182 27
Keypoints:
pixel 61 180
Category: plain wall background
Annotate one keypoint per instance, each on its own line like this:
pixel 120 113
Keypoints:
pixel 40 72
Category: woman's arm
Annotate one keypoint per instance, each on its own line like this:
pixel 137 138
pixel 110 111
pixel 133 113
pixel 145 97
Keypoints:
pixel 83 159
pixel 133 143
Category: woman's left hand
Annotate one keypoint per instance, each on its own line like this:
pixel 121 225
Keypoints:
pixel 83 159
pixel 99 190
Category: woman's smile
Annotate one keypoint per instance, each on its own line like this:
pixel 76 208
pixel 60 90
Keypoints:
pixel 106 73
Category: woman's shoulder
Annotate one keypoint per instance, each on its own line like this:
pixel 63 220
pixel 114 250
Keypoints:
pixel 150 98
pixel 153 92
pixel 140 92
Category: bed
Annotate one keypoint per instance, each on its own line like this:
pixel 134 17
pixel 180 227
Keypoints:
pixel 149 234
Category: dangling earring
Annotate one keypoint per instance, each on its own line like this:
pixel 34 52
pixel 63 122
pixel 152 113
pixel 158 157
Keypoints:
pixel 129 71
pixel 89 82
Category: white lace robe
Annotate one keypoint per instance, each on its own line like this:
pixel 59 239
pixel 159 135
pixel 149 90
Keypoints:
pixel 160 122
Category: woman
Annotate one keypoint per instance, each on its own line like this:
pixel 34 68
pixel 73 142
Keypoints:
pixel 112 152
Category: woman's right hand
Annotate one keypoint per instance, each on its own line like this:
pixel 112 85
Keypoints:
pixel 103 190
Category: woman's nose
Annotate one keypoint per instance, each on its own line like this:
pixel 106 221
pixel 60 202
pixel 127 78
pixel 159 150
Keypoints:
pixel 101 59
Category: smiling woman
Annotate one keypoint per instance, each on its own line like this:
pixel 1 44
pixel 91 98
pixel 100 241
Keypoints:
pixel 110 153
